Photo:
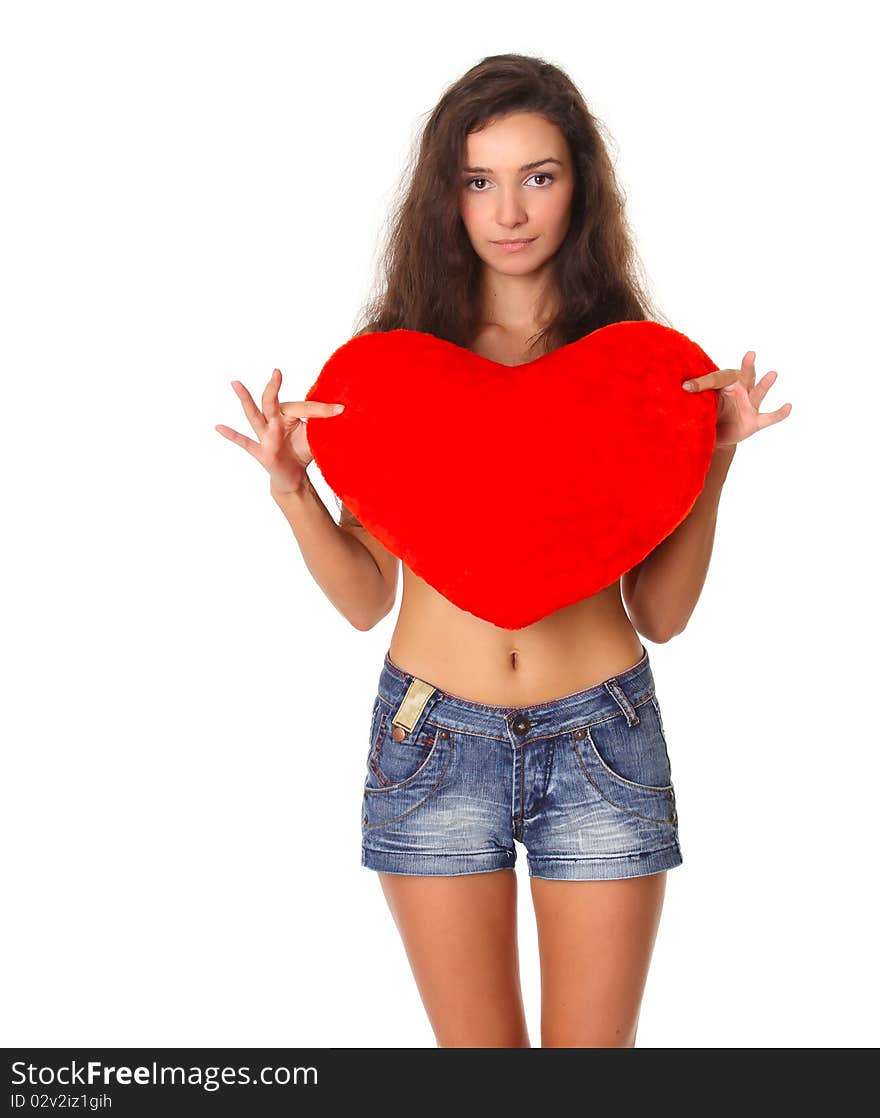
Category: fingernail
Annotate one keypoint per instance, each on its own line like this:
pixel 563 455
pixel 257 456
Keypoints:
pixel 337 408
pixel 689 385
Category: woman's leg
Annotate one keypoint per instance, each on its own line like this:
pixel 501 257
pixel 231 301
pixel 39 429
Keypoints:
pixel 595 940
pixel 460 937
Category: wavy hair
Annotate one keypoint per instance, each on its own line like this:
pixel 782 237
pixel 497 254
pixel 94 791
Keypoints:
pixel 429 275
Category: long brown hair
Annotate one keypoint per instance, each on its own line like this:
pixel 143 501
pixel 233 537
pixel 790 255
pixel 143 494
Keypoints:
pixel 430 273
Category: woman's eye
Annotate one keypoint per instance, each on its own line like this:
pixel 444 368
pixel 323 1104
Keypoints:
pixel 536 175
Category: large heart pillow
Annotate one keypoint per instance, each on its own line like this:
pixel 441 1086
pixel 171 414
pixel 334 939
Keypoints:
pixel 516 490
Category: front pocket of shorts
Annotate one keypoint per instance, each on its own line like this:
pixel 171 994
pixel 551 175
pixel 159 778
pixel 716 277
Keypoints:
pixel 393 764
pixel 634 754
pixel 390 804
pixel 628 764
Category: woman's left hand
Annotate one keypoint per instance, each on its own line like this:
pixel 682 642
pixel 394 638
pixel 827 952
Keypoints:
pixel 738 401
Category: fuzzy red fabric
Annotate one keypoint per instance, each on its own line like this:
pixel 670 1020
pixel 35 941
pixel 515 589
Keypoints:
pixel 517 490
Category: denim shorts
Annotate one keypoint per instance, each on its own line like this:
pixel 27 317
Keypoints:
pixel 583 782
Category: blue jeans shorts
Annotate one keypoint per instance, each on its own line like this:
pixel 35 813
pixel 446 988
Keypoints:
pixel 583 782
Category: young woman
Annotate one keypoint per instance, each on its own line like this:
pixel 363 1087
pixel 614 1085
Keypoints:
pixel 511 240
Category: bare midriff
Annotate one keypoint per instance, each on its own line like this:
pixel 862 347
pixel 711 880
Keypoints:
pixel 570 650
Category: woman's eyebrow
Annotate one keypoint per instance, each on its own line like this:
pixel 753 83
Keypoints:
pixel 525 167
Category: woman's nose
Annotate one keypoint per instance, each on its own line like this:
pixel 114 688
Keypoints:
pixel 510 212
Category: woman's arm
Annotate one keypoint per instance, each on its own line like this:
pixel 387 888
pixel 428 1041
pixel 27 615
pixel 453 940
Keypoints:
pixel 662 591
pixel 341 564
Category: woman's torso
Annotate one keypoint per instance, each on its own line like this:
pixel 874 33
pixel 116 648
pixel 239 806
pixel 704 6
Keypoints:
pixel 569 650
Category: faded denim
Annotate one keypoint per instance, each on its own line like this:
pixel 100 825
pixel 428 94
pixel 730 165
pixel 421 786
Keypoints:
pixel 584 782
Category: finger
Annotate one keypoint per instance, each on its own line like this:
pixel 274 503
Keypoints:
pixel 234 437
pixel 270 396
pixel 771 417
pixel 254 416
pixel 735 388
pixel 757 394
pixel 717 379
pixel 306 408
pixel 748 368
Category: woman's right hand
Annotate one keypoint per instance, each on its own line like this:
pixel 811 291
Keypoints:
pixel 283 448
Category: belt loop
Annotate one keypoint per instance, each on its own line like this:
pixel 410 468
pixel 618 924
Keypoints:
pixel 617 693
pixel 412 704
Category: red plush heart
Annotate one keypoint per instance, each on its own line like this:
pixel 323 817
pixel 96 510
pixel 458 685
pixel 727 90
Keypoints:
pixel 516 490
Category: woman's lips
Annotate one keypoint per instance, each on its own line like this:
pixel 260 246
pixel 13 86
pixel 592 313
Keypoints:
pixel 513 246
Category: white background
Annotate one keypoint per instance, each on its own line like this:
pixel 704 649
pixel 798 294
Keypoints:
pixel 194 193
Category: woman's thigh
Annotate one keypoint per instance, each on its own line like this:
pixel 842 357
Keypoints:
pixel 595 939
pixel 459 933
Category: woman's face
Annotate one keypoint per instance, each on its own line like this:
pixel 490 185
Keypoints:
pixel 517 182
